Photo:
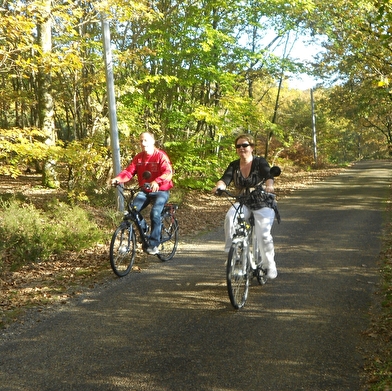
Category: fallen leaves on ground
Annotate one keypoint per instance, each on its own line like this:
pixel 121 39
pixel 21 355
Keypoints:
pixel 61 278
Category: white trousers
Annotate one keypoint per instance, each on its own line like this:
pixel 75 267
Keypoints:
pixel 264 219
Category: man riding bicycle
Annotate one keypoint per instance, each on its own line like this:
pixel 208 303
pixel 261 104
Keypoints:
pixel 155 186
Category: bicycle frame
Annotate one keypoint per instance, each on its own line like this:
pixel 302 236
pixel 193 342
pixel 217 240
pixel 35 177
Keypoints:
pixel 123 243
pixel 131 215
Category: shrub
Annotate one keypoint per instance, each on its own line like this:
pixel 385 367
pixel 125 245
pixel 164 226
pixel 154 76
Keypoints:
pixel 30 235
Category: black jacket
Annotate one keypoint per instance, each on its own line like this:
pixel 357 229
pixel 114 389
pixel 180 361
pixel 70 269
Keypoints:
pixel 260 172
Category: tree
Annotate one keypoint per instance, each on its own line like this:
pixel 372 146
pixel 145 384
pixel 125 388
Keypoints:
pixel 190 72
pixel 44 95
pixel 358 57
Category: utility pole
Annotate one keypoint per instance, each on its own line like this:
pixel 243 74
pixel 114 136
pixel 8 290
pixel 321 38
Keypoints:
pixel 114 140
pixel 313 127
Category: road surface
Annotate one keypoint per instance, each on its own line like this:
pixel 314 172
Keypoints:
pixel 171 327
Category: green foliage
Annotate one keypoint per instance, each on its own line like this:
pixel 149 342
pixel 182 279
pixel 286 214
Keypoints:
pixel 349 128
pixel 30 235
pixel 198 163
pixel 358 60
pixel 190 76
pixel 21 148
pixel 84 167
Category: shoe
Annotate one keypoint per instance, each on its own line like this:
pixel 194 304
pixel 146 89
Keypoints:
pixel 152 250
pixel 272 273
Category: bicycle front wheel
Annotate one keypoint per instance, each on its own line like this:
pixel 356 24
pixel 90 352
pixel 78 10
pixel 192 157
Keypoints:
pixel 169 238
pixel 237 275
pixel 123 250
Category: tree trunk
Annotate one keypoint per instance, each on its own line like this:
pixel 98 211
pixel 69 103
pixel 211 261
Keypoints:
pixel 45 99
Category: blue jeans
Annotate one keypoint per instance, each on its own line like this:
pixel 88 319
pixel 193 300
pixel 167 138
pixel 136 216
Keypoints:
pixel 158 201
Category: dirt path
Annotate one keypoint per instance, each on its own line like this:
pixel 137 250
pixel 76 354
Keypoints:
pixel 172 328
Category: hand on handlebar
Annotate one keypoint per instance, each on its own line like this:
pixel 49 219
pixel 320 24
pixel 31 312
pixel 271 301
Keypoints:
pixel 269 189
pixel 153 186
pixel 218 191
pixel 219 187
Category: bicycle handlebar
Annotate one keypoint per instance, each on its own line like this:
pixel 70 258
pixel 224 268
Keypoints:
pixel 131 190
pixel 269 198
pixel 146 186
pixel 242 197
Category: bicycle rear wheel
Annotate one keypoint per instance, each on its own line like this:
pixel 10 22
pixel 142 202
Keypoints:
pixel 123 250
pixel 169 238
pixel 237 275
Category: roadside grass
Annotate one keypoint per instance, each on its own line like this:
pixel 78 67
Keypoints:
pixel 32 235
pixel 379 366
pixel 35 241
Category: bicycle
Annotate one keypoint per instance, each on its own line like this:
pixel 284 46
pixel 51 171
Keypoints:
pixel 123 244
pixel 244 261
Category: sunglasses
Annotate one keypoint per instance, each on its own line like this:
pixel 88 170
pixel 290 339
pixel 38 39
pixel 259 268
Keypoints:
pixel 242 145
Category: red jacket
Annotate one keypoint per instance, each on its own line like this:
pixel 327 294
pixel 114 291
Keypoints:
pixel 158 164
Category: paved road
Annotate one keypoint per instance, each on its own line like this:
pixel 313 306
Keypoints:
pixel 171 328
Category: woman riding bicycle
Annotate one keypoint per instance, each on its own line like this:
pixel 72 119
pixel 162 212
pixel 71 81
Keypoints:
pixel 157 164
pixel 247 172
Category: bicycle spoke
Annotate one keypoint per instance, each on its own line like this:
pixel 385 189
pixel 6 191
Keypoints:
pixel 122 251
pixel 237 275
pixel 169 238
